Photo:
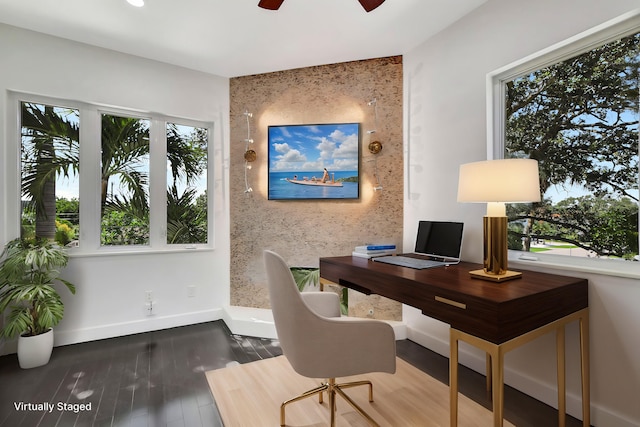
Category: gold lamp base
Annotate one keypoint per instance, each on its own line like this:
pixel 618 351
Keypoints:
pixel 507 275
pixel 495 251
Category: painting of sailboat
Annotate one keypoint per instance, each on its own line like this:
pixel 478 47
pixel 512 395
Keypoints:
pixel 314 161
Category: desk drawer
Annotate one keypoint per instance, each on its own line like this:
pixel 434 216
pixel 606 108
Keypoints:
pixel 461 312
pixel 500 322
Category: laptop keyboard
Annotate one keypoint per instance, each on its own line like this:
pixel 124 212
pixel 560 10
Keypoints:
pixel 405 261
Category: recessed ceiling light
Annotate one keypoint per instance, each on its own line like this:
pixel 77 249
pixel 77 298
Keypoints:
pixel 136 3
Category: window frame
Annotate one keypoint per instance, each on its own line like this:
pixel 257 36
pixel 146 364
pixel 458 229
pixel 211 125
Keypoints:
pixel 496 81
pixel 90 115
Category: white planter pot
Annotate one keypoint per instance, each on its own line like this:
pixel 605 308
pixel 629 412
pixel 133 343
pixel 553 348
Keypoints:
pixel 35 350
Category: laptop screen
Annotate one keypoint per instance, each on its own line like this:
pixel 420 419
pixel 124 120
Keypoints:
pixel 442 239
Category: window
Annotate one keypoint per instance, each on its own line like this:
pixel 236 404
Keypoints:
pixel 126 180
pixel 49 171
pixel 576 111
pixel 186 184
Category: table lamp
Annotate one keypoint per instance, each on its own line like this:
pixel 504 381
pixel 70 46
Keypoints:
pixel 497 182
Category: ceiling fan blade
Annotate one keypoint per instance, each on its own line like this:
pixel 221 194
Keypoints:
pixel 369 5
pixel 271 4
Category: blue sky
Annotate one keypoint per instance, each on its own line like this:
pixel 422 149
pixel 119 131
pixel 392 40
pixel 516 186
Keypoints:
pixel 299 148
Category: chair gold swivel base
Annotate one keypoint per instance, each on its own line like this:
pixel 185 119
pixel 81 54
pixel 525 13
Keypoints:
pixel 332 389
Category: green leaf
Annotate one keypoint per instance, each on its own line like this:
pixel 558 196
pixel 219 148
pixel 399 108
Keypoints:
pixel 304 276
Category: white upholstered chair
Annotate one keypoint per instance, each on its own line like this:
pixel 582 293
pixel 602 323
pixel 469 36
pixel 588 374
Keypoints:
pixel 318 343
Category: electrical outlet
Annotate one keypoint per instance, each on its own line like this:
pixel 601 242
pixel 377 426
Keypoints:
pixel 191 291
pixel 148 296
pixel 149 308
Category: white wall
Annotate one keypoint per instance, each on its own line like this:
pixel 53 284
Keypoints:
pixel 111 288
pixel 445 112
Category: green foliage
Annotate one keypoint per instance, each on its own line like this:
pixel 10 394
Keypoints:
pixel 29 269
pixel 604 225
pixel 304 276
pixel 68 210
pixel 66 222
pixel 515 235
pixel 122 226
pixel 344 301
pixel 186 216
pixel 28 221
pixel 348 179
pixel 64 233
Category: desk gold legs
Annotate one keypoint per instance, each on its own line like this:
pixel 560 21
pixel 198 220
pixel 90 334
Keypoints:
pixel 453 377
pixel 488 371
pixel 560 360
pixel 584 364
pixel 495 355
pixel 495 366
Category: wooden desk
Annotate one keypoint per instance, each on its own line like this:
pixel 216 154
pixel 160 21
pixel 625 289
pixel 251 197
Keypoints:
pixel 495 317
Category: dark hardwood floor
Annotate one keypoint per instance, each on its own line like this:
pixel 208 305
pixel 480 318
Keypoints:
pixel 157 379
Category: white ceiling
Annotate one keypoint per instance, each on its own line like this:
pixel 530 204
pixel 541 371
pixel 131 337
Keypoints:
pixel 235 37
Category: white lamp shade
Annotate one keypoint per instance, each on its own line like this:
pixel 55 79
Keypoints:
pixel 504 180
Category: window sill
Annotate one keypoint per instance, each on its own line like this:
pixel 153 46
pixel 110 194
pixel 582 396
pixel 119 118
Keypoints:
pixel 137 250
pixel 606 267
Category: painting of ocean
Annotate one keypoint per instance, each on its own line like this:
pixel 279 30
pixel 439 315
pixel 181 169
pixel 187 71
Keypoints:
pixel 280 188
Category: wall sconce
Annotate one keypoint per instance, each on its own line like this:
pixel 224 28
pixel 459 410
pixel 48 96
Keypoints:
pixel 249 154
pixel 375 147
pixel 498 182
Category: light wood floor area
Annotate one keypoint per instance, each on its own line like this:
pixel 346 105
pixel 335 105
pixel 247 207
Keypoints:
pixel 250 396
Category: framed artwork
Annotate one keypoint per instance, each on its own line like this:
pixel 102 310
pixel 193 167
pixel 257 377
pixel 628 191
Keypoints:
pixel 314 161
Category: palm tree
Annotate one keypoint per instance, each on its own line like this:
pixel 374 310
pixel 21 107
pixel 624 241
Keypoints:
pixel 50 148
pixel 125 146
pixel 187 155
pixel 186 220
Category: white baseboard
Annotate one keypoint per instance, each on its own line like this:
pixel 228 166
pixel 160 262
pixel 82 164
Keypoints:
pixel 135 327
pixel 546 393
pixel 248 321
pixel 74 336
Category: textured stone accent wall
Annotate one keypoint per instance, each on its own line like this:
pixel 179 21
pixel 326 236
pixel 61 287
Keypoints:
pixel 303 231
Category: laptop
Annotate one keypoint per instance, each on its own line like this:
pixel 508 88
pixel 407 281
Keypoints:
pixel 438 243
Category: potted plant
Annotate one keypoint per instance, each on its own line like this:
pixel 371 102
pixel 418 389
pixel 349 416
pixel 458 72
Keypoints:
pixel 29 269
